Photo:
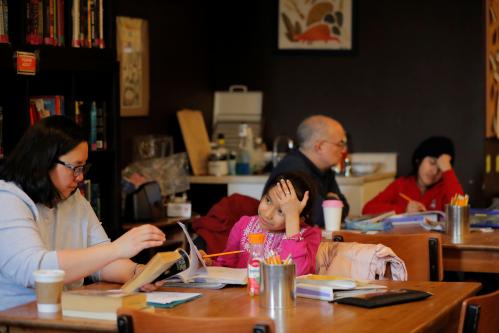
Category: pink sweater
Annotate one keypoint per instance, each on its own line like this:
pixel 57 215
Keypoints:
pixel 302 251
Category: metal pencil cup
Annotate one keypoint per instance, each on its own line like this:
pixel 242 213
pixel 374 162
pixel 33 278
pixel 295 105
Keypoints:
pixel 278 286
pixel 458 222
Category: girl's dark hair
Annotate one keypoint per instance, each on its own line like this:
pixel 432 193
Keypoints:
pixel 301 183
pixel 36 153
pixel 433 146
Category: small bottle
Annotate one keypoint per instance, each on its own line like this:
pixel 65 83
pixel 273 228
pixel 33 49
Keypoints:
pixel 243 157
pixel 256 256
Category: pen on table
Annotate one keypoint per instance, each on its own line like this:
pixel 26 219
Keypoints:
pixel 405 196
pixel 221 254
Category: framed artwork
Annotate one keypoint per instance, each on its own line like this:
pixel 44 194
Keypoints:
pixel 324 25
pixel 133 54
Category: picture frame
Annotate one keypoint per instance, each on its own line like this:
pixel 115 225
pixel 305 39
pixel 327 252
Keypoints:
pixel 132 43
pixel 308 25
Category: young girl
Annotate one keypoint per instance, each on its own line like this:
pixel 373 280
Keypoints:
pixel 283 217
pixel 430 186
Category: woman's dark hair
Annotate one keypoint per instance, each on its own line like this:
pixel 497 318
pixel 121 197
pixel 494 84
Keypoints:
pixel 36 153
pixel 433 146
pixel 301 183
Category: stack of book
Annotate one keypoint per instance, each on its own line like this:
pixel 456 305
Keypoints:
pixel 100 304
pixel 331 288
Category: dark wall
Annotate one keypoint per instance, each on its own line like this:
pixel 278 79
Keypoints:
pixel 417 70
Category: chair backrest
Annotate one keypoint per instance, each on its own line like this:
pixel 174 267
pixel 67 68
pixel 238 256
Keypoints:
pixel 480 314
pixel 138 321
pixel 421 253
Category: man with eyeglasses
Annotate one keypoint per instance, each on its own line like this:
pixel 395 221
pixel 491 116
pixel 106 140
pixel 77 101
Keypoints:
pixel 321 144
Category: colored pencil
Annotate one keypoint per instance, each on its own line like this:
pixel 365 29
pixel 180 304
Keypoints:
pixel 405 197
pixel 221 254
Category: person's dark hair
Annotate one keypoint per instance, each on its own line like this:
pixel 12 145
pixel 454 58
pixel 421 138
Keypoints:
pixel 433 146
pixel 301 183
pixel 36 153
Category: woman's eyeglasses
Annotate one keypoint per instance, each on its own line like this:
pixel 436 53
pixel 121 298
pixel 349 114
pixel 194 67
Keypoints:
pixel 77 169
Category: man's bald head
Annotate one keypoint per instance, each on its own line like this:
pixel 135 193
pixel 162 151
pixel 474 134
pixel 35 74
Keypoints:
pixel 317 127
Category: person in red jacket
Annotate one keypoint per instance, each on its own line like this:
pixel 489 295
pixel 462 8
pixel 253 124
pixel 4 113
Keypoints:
pixel 430 186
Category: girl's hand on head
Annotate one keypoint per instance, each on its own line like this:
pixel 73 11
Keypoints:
pixel 138 239
pixel 443 162
pixel 287 199
pixel 414 207
pixel 207 261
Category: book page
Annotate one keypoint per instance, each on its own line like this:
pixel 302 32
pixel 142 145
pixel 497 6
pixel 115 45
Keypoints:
pixel 198 272
pixel 197 264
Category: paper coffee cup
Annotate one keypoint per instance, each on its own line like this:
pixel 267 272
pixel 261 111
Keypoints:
pixel 49 284
pixel 332 214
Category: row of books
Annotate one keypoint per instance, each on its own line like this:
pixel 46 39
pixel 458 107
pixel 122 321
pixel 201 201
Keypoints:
pixel 4 21
pixel 45 21
pixel 91 115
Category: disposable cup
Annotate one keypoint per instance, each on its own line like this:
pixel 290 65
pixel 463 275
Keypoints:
pixel 332 214
pixel 49 284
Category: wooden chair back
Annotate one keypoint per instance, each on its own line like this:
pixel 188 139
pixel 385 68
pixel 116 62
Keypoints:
pixel 421 253
pixel 130 321
pixel 480 314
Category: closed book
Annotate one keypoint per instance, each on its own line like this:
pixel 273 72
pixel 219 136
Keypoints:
pixel 99 304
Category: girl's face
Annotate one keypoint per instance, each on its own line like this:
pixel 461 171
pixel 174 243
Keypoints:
pixel 271 215
pixel 428 172
pixel 65 175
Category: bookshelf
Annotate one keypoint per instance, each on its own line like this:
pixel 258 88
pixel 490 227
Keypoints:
pixel 77 74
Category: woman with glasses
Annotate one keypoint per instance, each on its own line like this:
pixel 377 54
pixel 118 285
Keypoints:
pixel 430 186
pixel 45 223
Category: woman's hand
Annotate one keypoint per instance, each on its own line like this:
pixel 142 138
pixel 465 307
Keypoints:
pixel 148 286
pixel 138 239
pixel 415 206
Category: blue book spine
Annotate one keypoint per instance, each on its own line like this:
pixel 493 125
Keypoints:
pixel 93 126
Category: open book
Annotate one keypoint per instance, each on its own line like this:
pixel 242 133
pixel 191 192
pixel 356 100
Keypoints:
pixel 162 263
pixel 330 288
pixel 198 272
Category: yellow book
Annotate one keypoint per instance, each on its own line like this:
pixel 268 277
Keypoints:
pixel 99 304
pixel 169 263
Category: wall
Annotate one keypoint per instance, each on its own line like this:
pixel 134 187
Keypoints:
pixel 418 70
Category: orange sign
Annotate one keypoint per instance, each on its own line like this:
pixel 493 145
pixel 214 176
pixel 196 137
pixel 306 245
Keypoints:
pixel 26 63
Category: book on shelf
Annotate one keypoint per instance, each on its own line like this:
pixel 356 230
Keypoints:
pixel 99 304
pixel 88 23
pixel 160 263
pixel 45 22
pixel 329 288
pixel 92 115
pixel 45 106
pixel 200 274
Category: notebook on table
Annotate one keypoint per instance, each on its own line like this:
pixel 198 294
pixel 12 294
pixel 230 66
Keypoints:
pixel 385 297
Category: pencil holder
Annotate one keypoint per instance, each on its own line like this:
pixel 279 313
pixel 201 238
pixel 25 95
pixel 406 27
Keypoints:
pixel 278 286
pixel 458 222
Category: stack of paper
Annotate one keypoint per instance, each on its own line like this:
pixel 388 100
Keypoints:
pixel 164 299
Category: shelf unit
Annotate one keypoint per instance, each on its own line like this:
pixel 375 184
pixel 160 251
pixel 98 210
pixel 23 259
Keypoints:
pixel 78 74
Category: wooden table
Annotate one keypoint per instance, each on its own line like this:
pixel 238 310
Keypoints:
pixel 478 251
pixel 439 313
